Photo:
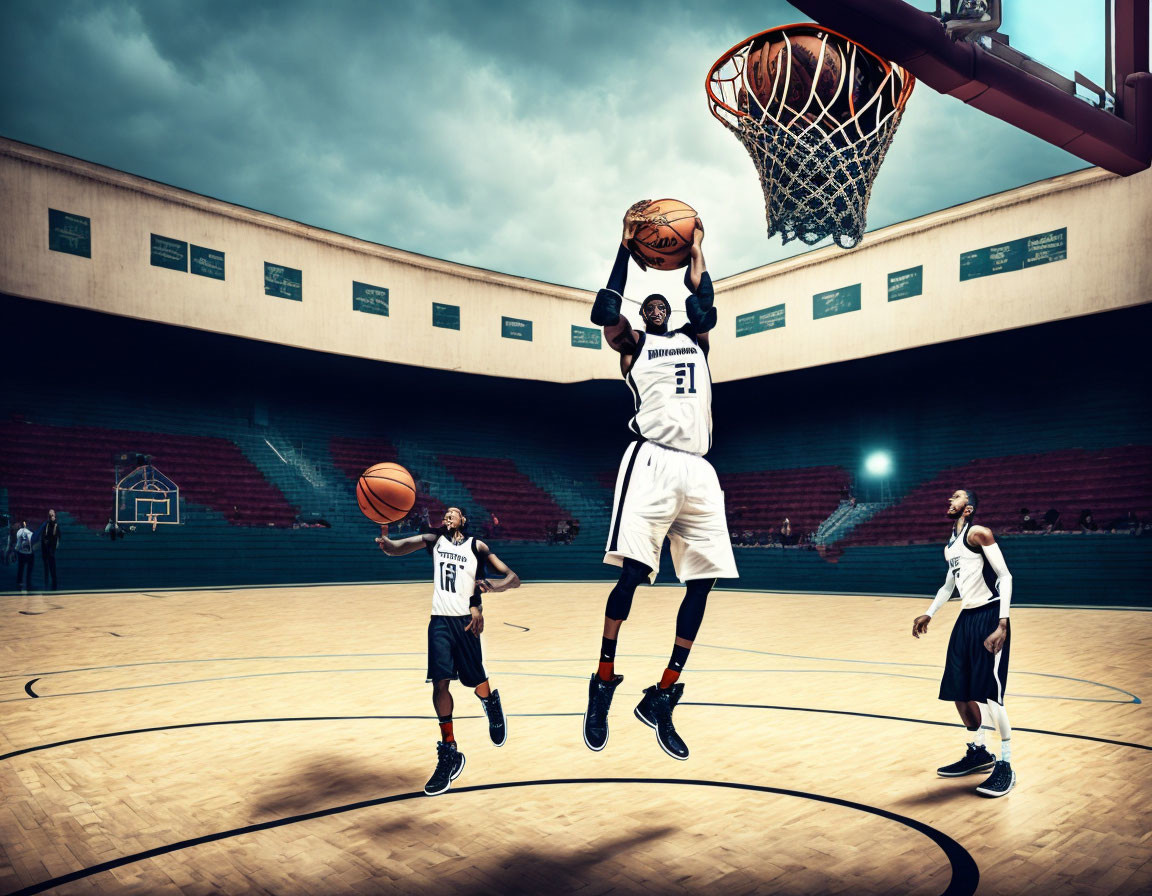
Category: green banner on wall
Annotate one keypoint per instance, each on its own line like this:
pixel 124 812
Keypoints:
pixel 207 263
pixel 905 284
pixel 169 253
pixel 836 301
pixel 759 321
pixel 515 328
pixel 69 233
pixel 369 299
pixel 447 317
pixel 284 283
pixel 1015 255
pixel 585 337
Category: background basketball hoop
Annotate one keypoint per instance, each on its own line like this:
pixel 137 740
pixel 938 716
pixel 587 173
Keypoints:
pixel 817 113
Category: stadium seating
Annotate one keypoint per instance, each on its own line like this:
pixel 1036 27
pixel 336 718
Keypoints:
pixel 70 468
pixel 523 508
pixel 1110 482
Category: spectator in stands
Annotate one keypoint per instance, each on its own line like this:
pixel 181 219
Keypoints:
pixel 573 530
pixel 24 556
pixel 495 525
pixel 1027 524
pixel 786 532
pixel 1086 523
pixel 562 532
pixel 112 530
pixel 49 541
pixel 1127 523
pixel 1052 520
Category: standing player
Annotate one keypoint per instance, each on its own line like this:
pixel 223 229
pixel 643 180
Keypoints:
pixel 665 487
pixel 976 670
pixel 458 565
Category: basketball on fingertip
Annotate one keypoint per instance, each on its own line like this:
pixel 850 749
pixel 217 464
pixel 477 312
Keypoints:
pixel 386 493
pixel 663 240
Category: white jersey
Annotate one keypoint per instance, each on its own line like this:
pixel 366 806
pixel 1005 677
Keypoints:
pixel 975 578
pixel 455 568
pixel 672 390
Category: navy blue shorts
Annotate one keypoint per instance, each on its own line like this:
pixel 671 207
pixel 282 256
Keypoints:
pixel 454 653
pixel 970 671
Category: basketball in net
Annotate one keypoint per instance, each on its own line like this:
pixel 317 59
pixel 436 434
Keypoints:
pixel 663 238
pixel 817 113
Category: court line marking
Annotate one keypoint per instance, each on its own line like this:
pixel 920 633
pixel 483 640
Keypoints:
pixel 963 882
pixel 191 681
pixel 836 712
pixel 832 659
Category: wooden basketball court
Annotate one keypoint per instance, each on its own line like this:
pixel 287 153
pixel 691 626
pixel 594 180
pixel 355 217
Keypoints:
pixel 277 741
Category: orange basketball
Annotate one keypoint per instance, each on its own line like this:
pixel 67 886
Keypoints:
pixel 796 66
pixel 385 493
pixel 664 240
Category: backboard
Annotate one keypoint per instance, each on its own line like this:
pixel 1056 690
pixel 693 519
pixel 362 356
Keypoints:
pixel 1072 73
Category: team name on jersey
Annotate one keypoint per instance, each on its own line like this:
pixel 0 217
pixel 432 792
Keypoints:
pixel 448 555
pixel 664 352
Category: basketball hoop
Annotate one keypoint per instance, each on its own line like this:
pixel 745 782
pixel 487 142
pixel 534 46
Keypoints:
pixel 817 113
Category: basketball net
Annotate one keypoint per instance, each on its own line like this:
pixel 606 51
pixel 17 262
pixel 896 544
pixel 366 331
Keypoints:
pixel 816 162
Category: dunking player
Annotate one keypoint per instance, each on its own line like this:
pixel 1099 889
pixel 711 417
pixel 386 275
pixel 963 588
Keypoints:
pixel 665 486
pixel 458 565
pixel 976 670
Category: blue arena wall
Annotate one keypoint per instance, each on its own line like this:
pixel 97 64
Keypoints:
pixel 1077 384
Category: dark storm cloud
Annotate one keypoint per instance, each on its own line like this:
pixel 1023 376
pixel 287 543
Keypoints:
pixel 506 135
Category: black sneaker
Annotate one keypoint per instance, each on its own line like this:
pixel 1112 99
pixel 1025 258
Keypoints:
pixel 655 711
pixel 449 764
pixel 497 721
pixel 977 760
pixel 596 718
pixel 999 782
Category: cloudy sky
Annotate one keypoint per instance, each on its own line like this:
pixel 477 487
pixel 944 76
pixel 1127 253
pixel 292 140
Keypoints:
pixel 507 135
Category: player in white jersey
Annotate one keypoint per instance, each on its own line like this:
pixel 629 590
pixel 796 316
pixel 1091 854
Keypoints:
pixel 976 669
pixel 665 487
pixel 458 566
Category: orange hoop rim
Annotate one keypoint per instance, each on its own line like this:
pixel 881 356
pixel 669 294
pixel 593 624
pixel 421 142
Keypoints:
pixel 908 80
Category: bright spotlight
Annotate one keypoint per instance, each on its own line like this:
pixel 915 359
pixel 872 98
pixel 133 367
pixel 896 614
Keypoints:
pixel 878 463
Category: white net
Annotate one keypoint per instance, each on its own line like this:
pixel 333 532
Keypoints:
pixel 817 113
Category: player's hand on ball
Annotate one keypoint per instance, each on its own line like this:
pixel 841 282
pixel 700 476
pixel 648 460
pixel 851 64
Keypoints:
pixel 698 233
pixel 920 625
pixel 633 218
pixel 476 626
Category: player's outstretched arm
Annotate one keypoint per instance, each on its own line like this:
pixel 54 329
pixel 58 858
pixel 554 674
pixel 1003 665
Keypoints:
pixel 982 535
pixel 404 545
pixel 510 580
pixel 920 623
pixel 699 305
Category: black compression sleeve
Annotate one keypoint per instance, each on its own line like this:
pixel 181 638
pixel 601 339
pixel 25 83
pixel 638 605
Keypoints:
pixel 619 277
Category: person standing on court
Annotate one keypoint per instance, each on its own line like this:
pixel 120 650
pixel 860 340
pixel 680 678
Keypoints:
pixel 976 668
pixel 49 541
pixel 458 566
pixel 664 487
pixel 25 559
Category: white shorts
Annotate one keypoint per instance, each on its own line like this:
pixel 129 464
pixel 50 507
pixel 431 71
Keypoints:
pixel 662 492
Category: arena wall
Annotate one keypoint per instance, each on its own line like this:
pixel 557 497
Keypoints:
pixel 1087 254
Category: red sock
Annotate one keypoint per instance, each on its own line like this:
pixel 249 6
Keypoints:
pixel 446 731
pixel 606 672
pixel 668 679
